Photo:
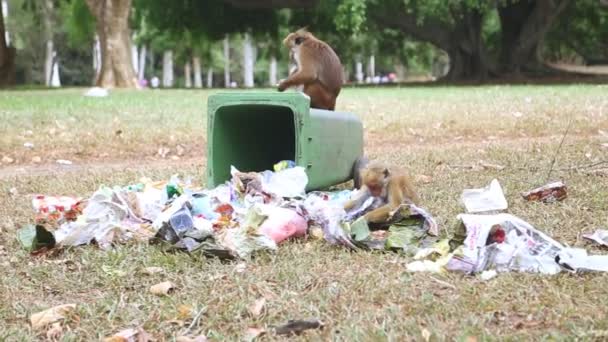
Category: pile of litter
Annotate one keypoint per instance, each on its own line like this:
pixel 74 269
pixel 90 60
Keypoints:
pixel 249 213
pixel 254 212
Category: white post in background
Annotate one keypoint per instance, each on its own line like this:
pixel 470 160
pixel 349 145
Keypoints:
pixel 7 36
pixel 168 69
pixel 226 62
pixel 196 64
pixel 141 69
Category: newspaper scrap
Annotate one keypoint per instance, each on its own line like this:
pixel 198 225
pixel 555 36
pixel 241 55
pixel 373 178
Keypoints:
pixel 552 192
pixel 490 198
pixel 504 243
pixel 600 236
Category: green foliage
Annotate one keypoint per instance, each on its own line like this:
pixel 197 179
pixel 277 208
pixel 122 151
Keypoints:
pixel 581 31
pixel 78 22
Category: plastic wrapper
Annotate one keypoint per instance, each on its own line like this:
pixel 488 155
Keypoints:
pixel 551 192
pixel 490 198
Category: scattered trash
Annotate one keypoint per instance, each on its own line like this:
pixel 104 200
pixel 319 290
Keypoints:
pixel 600 236
pixel 490 198
pixel 282 224
pixel 55 210
pixel 577 260
pixel 42 319
pixel 284 164
pixel 55 332
pixel 64 162
pixel 28 145
pixel 487 275
pixel 298 326
pixel 130 335
pixel 162 289
pixel 97 92
pixel 35 237
pixel 549 193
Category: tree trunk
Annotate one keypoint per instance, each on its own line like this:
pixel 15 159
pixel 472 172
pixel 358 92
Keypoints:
pixel 371 67
pixel 248 61
pixel 359 71
pixel 168 69
pixel 141 69
pixel 4 5
pixel 272 73
pixel 188 74
pixel 55 80
pixel 466 50
pixel 210 78
pixel 96 56
pixel 135 56
pixel 7 55
pixel 47 16
pixel 198 81
pixel 112 26
pixel 524 25
pixel 226 62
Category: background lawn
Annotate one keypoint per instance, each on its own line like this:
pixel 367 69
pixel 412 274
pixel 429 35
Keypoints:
pixel 450 138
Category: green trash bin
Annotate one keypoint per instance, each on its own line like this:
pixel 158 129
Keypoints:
pixel 254 130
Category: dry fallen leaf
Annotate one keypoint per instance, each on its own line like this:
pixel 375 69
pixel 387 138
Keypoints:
pixel 424 179
pixel 52 315
pixel 200 338
pixel 36 159
pixel 162 289
pixel 152 270
pixel 491 166
pixel 130 335
pixel 253 333
pixel 55 332
pixel 426 335
pixel 256 308
pixel 7 160
pixel 180 150
pixel 185 312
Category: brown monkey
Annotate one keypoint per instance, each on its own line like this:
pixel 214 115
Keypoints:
pixel 394 188
pixel 318 69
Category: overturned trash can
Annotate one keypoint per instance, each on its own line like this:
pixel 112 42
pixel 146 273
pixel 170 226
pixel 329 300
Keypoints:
pixel 254 130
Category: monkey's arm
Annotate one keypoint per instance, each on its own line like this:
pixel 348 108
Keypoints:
pixel 302 76
pixel 379 215
pixel 361 197
pixel 395 199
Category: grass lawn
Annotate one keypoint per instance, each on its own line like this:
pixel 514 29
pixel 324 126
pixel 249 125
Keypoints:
pixel 443 135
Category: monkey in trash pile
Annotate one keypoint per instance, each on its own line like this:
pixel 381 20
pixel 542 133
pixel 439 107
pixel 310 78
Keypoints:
pixel 318 69
pixel 392 186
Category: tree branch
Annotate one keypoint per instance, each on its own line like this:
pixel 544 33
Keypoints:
pixel 251 4
pixel 431 30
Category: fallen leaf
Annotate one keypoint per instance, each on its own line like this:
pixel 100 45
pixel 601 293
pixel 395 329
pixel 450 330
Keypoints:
pixel 7 160
pixel 253 333
pixel 162 289
pixel 491 166
pixel 426 335
pixel 36 159
pixel 200 338
pixel 55 332
pixel 424 179
pixel 298 326
pixel 240 268
pixel 180 150
pixel 130 335
pixel 256 308
pixel 152 270
pixel 52 315
pixel 163 152
pixel 185 312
